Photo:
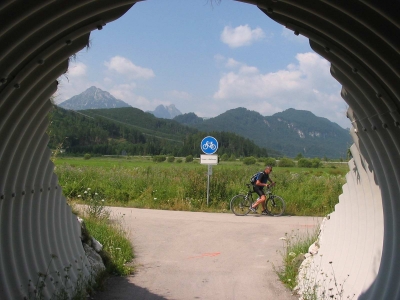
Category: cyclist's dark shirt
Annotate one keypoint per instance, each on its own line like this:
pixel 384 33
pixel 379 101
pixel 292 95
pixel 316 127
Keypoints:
pixel 263 178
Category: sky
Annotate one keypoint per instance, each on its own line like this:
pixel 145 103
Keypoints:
pixel 205 58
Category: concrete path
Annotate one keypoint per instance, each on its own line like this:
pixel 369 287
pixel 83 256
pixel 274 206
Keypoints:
pixel 189 255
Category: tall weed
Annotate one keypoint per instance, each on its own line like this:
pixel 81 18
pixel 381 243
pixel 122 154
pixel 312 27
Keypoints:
pixel 184 186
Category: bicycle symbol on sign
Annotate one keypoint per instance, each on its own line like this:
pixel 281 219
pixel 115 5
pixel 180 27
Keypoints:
pixel 209 144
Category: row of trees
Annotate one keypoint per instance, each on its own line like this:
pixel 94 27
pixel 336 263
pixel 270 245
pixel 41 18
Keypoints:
pixel 79 134
pixel 285 162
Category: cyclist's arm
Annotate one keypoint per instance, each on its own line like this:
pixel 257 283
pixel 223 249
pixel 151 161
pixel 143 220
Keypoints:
pixel 259 183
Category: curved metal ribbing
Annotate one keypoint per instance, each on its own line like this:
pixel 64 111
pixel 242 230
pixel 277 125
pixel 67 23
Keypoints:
pixel 359 38
pixel 359 242
pixel 38 231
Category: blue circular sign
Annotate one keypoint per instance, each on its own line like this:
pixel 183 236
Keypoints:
pixel 209 145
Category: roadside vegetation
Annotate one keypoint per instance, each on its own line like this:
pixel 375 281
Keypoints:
pixel 310 187
pixel 117 252
pixel 181 184
pixel 295 245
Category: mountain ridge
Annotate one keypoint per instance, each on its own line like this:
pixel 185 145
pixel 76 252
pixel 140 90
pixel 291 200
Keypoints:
pixel 166 112
pixel 92 98
pixel 290 132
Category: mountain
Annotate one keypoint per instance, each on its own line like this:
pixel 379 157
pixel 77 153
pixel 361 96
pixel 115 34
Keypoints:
pixel 166 112
pixel 145 122
pixel 290 132
pixel 131 131
pixel 92 98
pixel 188 119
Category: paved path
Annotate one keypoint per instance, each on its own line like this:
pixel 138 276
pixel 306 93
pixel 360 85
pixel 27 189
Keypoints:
pixel 190 255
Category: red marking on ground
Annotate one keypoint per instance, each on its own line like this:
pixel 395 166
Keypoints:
pixel 206 255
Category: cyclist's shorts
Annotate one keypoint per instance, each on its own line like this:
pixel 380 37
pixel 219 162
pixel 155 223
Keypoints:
pixel 259 190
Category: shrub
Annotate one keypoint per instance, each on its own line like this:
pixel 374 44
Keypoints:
pixel 249 160
pixel 224 157
pixel 262 160
pixel 171 159
pixel 179 160
pixel 269 161
pixel 304 163
pixel 299 156
pixel 316 163
pixel 159 158
pixel 189 158
pixel 87 156
pixel 286 162
pixel 232 158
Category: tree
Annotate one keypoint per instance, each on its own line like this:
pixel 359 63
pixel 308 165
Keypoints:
pixel 316 163
pixel 286 162
pixel 270 161
pixel 159 158
pixel 224 157
pixel 304 163
pixel 189 158
pixel 299 156
pixel 249 160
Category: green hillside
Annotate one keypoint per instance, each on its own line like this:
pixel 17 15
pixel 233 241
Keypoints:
pixel 290 132
pixel 130 130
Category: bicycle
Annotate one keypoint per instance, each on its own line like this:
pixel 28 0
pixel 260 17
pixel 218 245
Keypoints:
pixel 210 145
pixel 240 204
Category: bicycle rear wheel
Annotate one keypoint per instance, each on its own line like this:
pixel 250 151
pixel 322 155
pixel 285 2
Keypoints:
pixel 275 206
pixel 240 205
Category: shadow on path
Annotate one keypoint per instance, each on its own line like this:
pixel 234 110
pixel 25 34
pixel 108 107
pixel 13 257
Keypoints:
pixel 119 288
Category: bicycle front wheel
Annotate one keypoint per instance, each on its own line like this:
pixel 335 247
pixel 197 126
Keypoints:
pixel 240 205
pixel 275 206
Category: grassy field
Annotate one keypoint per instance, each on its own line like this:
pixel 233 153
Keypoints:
pixel 140 182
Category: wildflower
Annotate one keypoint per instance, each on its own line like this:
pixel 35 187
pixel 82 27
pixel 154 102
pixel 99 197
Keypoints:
pixel 88 189
pixel 117 248
pixel 102 200
pixel 292 254
pixel 96 194
pixel 289 280
pixel 79 196
pixel 85 192
pixel 155 198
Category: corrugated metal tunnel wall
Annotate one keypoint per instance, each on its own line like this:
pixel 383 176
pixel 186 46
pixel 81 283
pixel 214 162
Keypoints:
pixel 361 39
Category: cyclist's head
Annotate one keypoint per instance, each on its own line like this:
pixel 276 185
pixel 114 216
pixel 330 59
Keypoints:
pixel 268 169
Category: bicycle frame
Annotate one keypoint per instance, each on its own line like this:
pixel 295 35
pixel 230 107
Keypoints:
pixel 240 204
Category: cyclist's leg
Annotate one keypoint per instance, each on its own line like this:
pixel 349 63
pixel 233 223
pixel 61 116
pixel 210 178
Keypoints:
pixel 261 196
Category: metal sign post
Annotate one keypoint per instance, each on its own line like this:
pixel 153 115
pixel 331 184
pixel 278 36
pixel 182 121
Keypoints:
pixel 209 146
pixel 208 182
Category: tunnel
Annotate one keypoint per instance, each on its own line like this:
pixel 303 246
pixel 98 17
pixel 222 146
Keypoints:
pixel 359 241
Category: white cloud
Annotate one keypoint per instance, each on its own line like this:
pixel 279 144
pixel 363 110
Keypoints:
pixel 73 82
pixel 125 92
pixel 231 63
pixel 124 66
pixel 306 85
pixel 77 70
pixel 119 82
pixel 240 36
pixel 179 95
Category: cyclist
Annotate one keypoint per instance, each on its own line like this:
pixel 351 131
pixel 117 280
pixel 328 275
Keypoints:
pixel 258 187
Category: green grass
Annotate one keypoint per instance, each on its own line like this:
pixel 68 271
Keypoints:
pixel 295 245
pixel 140 182
pixel 117 251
